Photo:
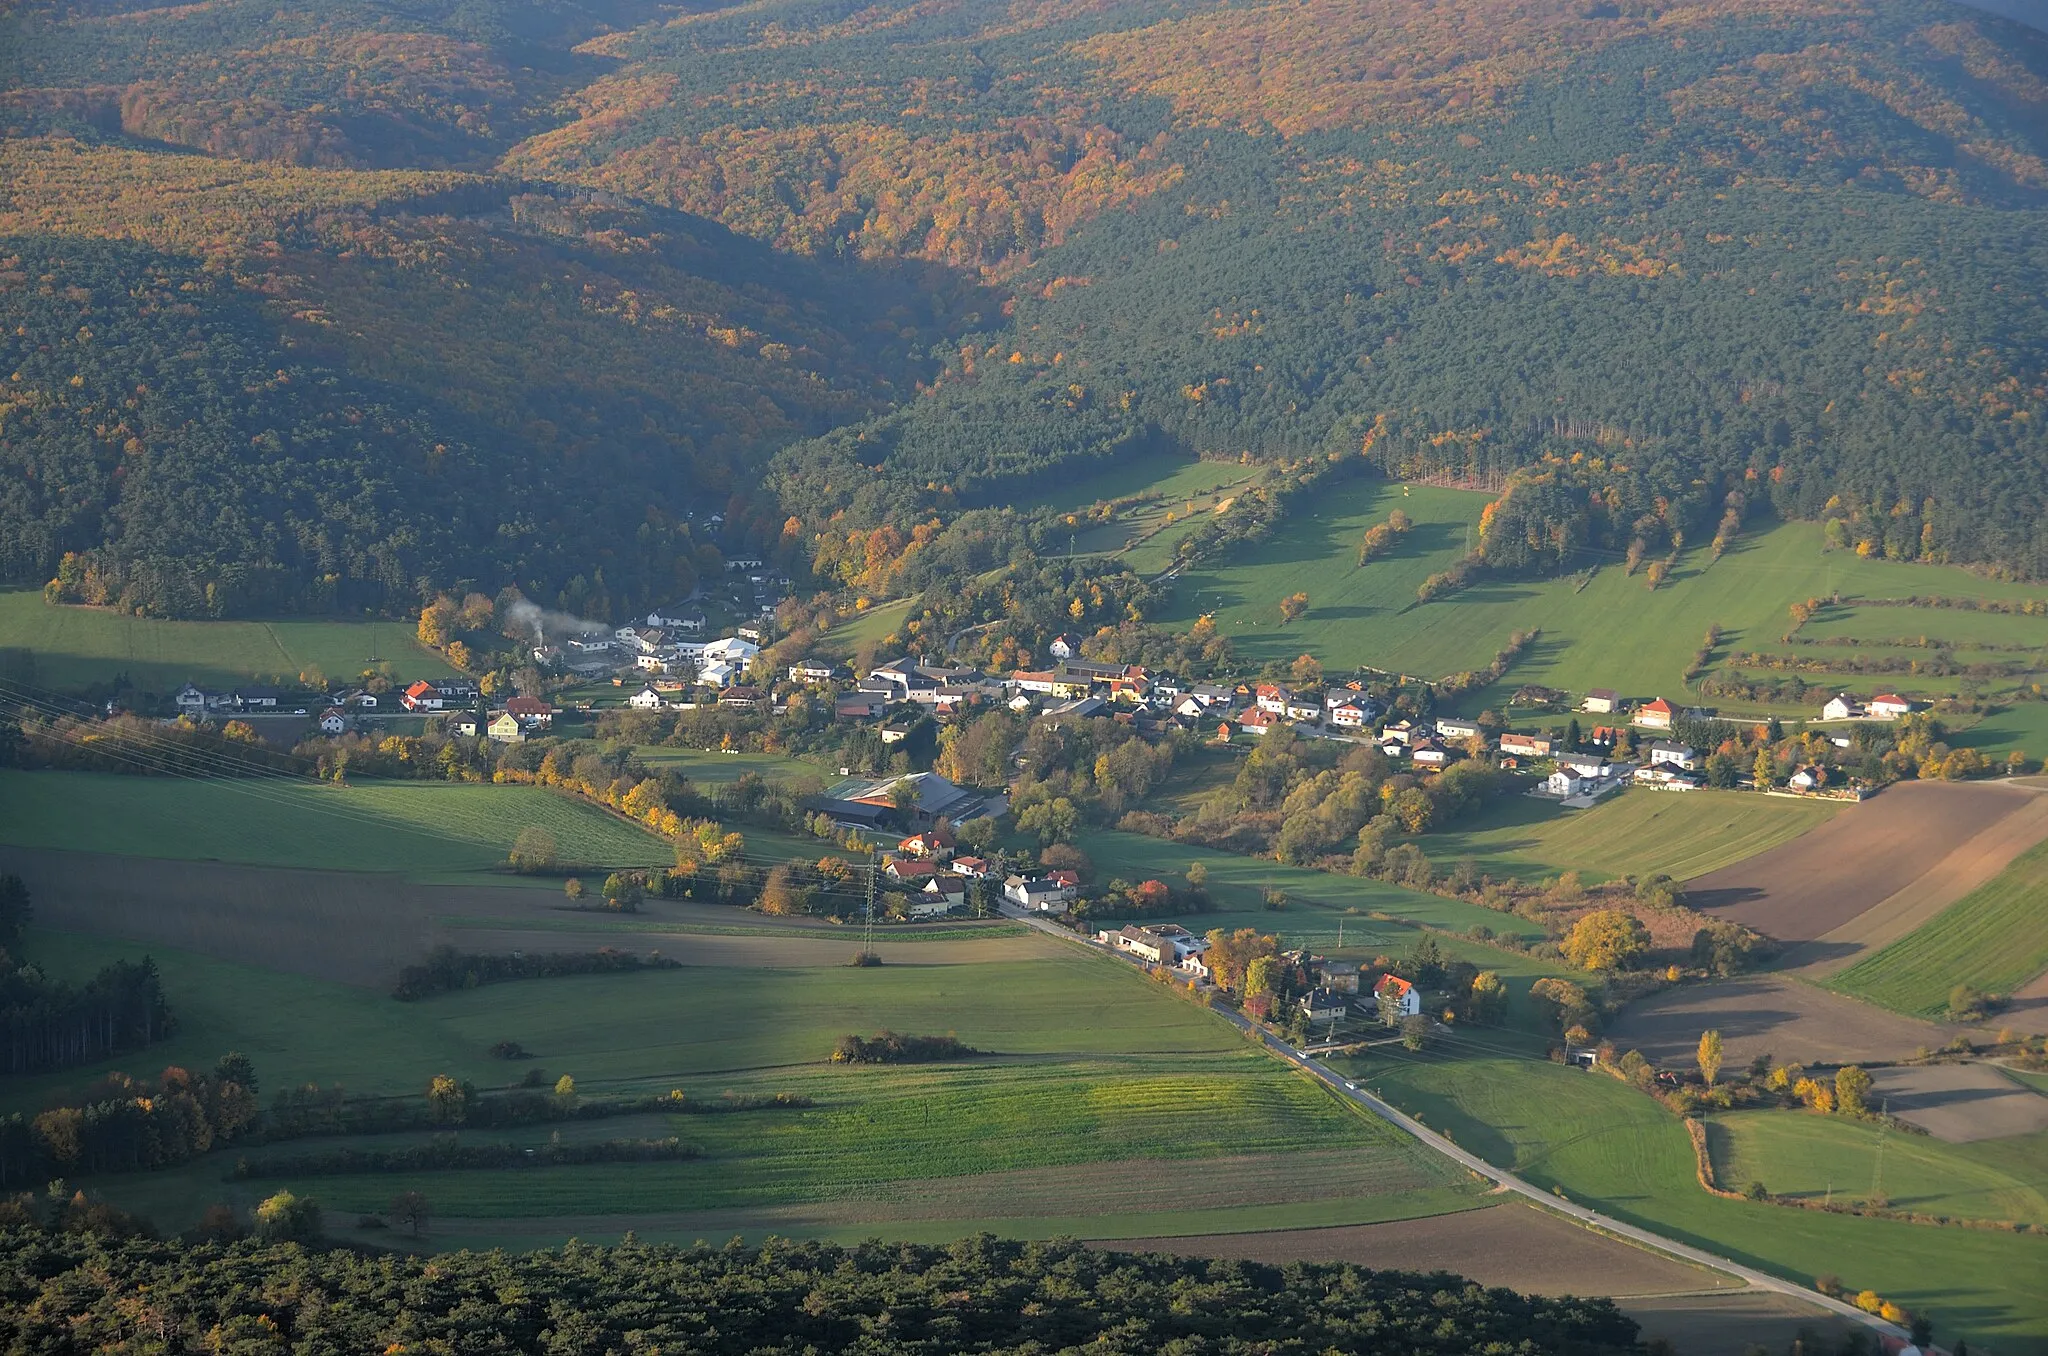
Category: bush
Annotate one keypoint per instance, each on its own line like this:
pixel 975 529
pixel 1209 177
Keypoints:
pixel 447 970
pixel 892 1048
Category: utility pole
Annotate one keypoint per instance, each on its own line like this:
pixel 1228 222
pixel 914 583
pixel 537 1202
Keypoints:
pixel 867 944
pixel 1877 1173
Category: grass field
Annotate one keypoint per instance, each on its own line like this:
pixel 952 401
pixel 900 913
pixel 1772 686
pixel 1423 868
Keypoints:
pixel 1607 1146
pixel 1609 632
pixel 1637 833
pixel 1815 1157
pixel 1995 938
pixel 1089 1065
pixel 712 767
pixel 411 827
pixel 874 625
pixel 76 646
pixel 1238 883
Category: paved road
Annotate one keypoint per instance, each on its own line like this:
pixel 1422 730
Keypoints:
pixel 1343 1087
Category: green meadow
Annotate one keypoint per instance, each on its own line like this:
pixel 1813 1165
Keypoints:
pixel 1994 939
pixel 410 827
pixel 713 767
pixel 1826 1157
pixel 1605 629
pixel 1086 1064
pixel 1600 1143
pixel 1635 833
pixel 72 647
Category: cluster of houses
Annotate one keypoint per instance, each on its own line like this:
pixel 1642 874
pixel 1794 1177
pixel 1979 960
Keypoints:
pixel 1336 989
pixel 938 876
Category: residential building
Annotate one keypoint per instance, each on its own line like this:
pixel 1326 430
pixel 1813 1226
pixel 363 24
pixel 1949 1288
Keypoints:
pixel 859 706
pixel 505 728
pixel 1890 706
pixel 422 696
pixel 1340 976
pixel 1066 645
pixel 1841 706
pixel 1397 997
pixel 817 671
pixel 678 617
pixel 1602 701
pixel 1212 694
pixel 1565 783
pixel 1429 753
pixel 532 712
pixel 743 698
pixel 1271 698
pixel 193 700
pixel 1525 745
pixel 1146 945
pixel 1324 1005
pixel 973 868
pixel 1302 708
pixel 732 650
pixel 1040 896
pixel 1350 715
pixel 333 721
pixel 646 699
pixel 1400 731
pixel 1654 714
pixel 467 724
pixel 1454 727
pixel 909 870
pixel 1585 764
pixel 255 698
pixel 934 844
pixel 1671 753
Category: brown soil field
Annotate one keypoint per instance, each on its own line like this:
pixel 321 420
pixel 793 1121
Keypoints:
pixel 1515 1245
pixel 1803 890
pixel 1948 880
pixel 1960 1102
pixel 362 928
pixel 1769 1014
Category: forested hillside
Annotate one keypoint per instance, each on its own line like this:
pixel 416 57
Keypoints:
pixel 325 306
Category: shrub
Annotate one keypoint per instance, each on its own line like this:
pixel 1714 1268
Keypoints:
pixel 893 1048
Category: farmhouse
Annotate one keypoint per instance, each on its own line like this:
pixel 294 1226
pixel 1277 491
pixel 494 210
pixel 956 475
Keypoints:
pixel 1841 706
pixel 1890 706
pixel 532 712
pixel 1654 714
pixel 1397 997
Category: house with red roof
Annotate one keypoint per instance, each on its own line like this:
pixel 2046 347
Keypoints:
pixel 1654 714
pixel 1397 997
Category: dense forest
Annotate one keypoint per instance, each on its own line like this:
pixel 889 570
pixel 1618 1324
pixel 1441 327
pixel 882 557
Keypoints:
pixel 329 307
pixel 72 1292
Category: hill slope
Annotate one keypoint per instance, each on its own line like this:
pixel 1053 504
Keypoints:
pixel 1790 248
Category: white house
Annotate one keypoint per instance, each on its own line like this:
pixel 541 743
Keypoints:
pixel 1451 727
pixel 732 650
pixel 678 618
pixel 333 721
pixel 646 699
pixel 1040 896
pixel 1396 993
pixel 1350 715
pixel 1670 753
pixel 192 700
pixel 1890 706
pixel 1584 764
pixel 1064 646
pixel 1841 706
pixel 717 673
pixel 1566 783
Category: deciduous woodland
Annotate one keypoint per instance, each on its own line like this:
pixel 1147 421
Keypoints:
pixel 332 307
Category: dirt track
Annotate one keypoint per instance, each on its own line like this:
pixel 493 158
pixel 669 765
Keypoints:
pixel 1825 879
pixel 362 928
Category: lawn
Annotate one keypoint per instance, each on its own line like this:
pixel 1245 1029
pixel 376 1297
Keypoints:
pixel 1238 883
pixel 1993 938
pixel 874 626
pixel 1607 1146
pixel 76 646
pixel 1638 832
pixel 1610 631
pixel 1815 1157
pixel 412 827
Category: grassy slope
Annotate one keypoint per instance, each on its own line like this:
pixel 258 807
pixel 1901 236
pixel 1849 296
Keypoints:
pixel 707 766
pixel 381 826
pixel 1609 1147
pixel 1808 1156
pixel 1237 883
pixel 1613 633
pixel 74 646
pixel 1993 938
pixel 1634 833
pixel 1095 1065
pixel 876 624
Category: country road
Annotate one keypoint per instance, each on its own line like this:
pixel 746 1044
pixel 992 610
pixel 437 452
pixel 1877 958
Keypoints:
pixel 1343 1087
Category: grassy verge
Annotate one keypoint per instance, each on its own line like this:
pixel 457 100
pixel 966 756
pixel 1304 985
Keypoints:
pixel 1992 939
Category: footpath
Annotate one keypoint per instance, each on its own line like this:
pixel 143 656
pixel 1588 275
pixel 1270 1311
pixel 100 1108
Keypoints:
pixel 1344 1087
